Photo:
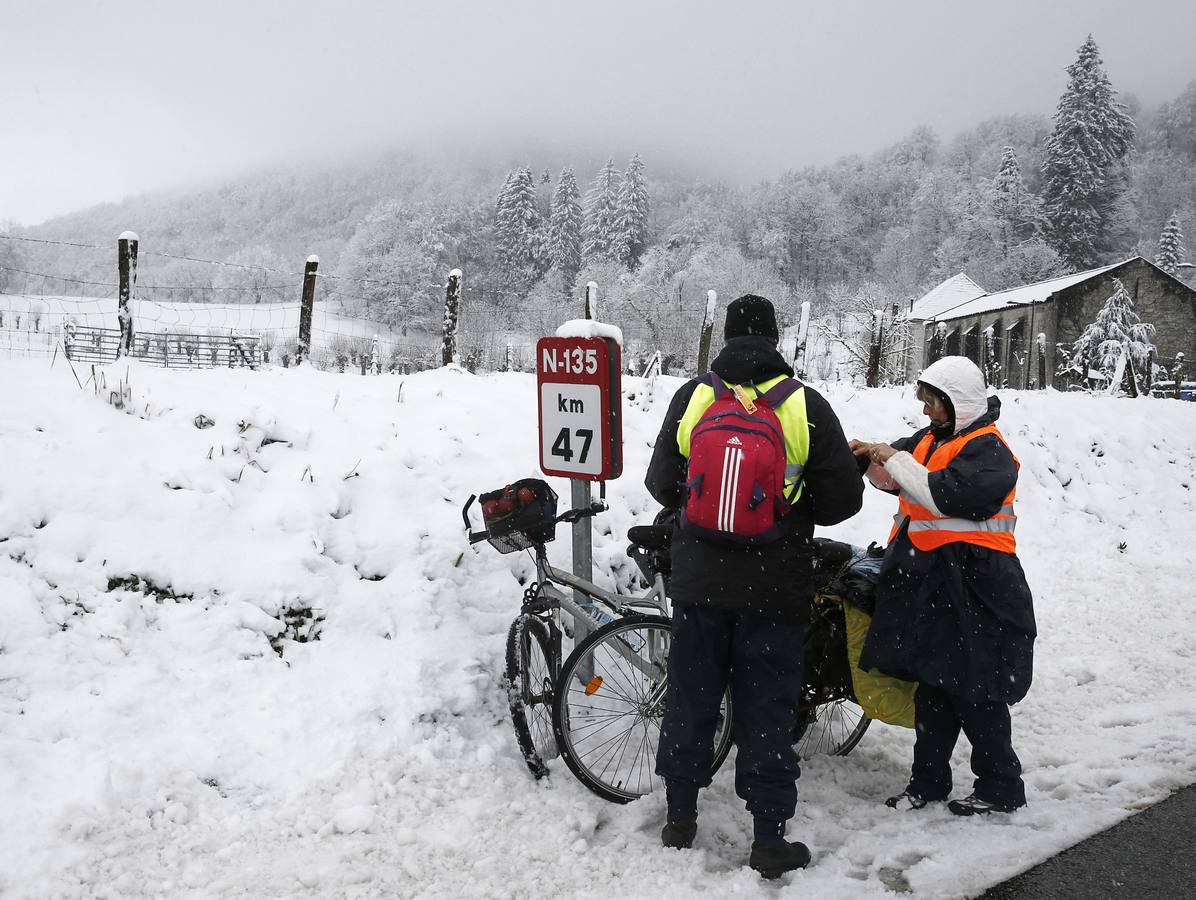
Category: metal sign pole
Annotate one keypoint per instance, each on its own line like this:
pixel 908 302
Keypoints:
pixel 583 530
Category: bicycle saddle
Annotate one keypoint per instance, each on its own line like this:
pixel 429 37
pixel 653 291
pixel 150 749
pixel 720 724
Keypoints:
pixel 651 537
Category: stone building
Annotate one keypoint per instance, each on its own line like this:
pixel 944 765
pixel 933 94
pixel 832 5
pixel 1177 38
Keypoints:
pixel 1015 334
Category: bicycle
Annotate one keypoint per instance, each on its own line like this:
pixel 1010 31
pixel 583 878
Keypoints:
pixel 600 709
pixel 606 725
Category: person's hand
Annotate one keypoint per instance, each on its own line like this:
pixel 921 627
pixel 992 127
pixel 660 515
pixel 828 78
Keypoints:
pixel 859 448
pixel 880 453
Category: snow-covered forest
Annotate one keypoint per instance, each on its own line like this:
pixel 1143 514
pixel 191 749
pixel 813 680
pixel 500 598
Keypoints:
pixel 1013 200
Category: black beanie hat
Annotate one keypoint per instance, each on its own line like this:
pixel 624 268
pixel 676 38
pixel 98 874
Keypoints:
pixel 751 314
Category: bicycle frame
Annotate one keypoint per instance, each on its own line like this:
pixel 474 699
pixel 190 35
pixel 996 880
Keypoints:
pixel 655 601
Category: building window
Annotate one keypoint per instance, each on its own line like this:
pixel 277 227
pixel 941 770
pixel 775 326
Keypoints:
pixel 971 346
pixel 953 343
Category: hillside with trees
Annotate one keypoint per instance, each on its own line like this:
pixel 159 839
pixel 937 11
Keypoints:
pixel 1013 200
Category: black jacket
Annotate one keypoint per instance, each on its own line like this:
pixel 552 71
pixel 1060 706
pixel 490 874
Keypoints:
pixel 960 617
pixel 771 580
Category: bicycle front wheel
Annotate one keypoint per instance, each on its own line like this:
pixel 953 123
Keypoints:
pixel 829 729
pixel 531 662
pixel 609 702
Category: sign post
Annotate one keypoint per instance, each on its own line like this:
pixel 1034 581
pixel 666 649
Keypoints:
pixel 579 396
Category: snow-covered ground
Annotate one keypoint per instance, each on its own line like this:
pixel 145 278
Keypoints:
pixel 159 747
pixel 31 326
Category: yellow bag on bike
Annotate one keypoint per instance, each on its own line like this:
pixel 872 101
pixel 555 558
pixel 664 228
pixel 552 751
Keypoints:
pixel 882 697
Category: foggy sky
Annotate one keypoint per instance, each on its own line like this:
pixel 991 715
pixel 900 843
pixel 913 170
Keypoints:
pixel 99 100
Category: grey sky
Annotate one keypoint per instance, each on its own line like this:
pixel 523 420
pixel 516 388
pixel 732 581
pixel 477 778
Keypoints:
pixel 99 99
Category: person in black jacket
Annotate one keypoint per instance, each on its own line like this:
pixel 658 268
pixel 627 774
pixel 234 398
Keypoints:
pixel 953 610
pixel 740 611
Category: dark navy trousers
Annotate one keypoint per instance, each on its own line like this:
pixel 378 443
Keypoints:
pixel 761 659
pixel 938 718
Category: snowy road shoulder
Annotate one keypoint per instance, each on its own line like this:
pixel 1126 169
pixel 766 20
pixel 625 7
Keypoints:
pixel 153 742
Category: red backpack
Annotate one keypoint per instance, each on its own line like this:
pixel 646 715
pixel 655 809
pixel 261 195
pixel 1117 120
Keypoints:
pixel 735 483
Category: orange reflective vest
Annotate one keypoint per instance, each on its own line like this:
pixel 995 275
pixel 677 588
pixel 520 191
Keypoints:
pixel 928 531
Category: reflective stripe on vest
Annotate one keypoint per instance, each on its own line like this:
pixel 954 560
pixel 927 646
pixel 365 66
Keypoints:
pixel 794 426
pixel 928 531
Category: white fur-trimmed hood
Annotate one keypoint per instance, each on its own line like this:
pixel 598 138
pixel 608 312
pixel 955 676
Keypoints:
pixel 961 380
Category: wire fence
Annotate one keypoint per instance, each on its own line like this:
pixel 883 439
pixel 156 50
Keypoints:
pixel 357 324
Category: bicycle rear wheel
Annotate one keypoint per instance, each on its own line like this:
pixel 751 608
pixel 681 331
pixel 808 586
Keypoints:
pixel 609 703
pixel 531 662
pixel 829 729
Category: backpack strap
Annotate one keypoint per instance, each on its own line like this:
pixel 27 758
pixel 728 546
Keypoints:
pixel 720 388
pixel 774 397
pixel 781 391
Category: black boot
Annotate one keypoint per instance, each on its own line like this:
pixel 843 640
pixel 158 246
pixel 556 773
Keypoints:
pixel 682 823
pixel 907 800
pixel 974 806
pixel 774 860
pixel 679 835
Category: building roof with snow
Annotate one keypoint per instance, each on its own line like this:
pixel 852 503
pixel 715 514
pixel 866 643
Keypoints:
pixel 1016 335
pixel 956 290
pixel 938 305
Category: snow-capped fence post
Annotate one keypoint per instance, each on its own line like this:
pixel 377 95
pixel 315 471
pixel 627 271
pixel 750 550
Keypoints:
pixel 126 255
pixel 452 313
pixel 303 350
pixel 803 333
pixel 1042 363
pixel 707 332
pixel 653 368
pixel 986 355
pixel 591 308
pixel 509 361
pixel 375 358
pixel 1177 373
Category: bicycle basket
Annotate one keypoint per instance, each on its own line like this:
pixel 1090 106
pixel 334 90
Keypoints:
pixel 519 515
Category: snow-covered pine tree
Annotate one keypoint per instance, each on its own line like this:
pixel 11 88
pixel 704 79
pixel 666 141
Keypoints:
pixel 519 228
pixel 632 213
pixel 1083 167
pixel 1171 246
pixel 503 217
pixel 600 228
pixel 1015 210
pixel 1117 345
pixel 564 230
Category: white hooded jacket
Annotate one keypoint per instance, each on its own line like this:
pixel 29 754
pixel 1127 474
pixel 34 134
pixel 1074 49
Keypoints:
pixel 961 380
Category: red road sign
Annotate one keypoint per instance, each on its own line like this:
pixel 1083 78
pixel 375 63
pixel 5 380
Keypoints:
pixel 580 398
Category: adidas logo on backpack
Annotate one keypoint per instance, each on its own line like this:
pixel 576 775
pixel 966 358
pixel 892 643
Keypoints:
pixel 736 477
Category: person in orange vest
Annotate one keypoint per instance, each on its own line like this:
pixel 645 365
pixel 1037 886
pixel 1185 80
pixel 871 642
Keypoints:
pixel 953 610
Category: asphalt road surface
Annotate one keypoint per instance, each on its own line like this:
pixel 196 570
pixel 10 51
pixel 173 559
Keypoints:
pixel 1150 855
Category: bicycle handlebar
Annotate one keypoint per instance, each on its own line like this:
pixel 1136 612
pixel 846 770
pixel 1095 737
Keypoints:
pixel 576 515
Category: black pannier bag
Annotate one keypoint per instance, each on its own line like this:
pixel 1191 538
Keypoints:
pixel 848 571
